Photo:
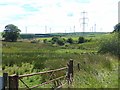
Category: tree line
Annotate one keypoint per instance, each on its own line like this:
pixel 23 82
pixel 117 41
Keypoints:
pixel 61 40
pixel 12 33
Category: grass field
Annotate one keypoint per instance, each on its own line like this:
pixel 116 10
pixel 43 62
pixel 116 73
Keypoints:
pixel 96 70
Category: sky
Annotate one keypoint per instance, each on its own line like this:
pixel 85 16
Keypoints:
pixel 59 16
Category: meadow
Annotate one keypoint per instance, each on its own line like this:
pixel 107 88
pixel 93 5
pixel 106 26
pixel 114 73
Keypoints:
pixel 96 70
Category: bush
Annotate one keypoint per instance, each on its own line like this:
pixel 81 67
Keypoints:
pixel 70 40
pixel 88 40
pixel 55 39
pixel 45 40
pixel 110 45
pixel 61 41
pixel 81 40
pixel 58 40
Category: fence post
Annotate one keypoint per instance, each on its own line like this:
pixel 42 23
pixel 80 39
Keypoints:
pixel 13 82
pixel 70 71
pixel 5 81
pixel 78 65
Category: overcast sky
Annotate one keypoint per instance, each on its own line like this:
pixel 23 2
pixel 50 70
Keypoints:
pixel 45 16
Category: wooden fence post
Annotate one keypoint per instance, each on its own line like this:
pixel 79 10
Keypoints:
pixel 70 71
pixel 78 65
pixel 13 82
pixel 5 81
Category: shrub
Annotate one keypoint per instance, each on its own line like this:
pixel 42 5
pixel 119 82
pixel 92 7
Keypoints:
pixel 88 40
pixel 60 41
pixel 45 40
pixel 117 28
pixel 81 40
pixel 70 40
pixel 110 45
pixel 55 39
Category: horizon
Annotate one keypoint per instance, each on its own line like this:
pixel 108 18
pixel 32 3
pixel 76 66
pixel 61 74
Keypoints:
pixel 64 33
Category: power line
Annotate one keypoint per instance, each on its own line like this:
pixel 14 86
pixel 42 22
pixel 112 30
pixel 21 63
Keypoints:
pixel 50 29
pixel 26 29
pixel 84 18
pixel 94 27
pixel 45 29
pixel 74 28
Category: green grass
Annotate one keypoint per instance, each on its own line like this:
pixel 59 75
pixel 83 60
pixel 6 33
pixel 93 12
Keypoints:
pixel 96 71
pixel 99 74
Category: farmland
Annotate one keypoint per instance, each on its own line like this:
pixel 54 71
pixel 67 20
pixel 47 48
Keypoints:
pixel 96 70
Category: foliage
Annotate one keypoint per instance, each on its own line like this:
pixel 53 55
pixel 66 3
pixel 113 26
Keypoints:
pixel 55 39
pixel 45 40
pixel 96 79
pixel 58 40
pixel 61 41
pixel 70 40
pixel 88 40
pixel 117 28
pixel 111 45
pixel 81 40
pixel 96 70
pixel 11 32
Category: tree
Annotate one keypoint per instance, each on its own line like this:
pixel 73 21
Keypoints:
pixel 81 40
pixel 61 41
pixel 70 40
pixel 55 39
pixel 58 40
pixel 117 28
pixel 11 33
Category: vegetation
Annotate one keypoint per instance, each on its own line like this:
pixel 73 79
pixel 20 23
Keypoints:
pixel 70 40
pixel 111 45
pixel 117 28
pixel 11 33
pixel 96 70
pixel 81 40
pixel 58 40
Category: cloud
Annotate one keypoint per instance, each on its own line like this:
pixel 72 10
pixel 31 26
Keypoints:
pixel 29 8
pixel 57 14
pixel 104 13
pixel 70 14
pixel 79 1
pixel 58 4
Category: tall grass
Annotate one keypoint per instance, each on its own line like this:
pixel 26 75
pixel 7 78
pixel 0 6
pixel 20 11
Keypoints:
pixel 96 70
pixel 111 45
pixel 99 73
